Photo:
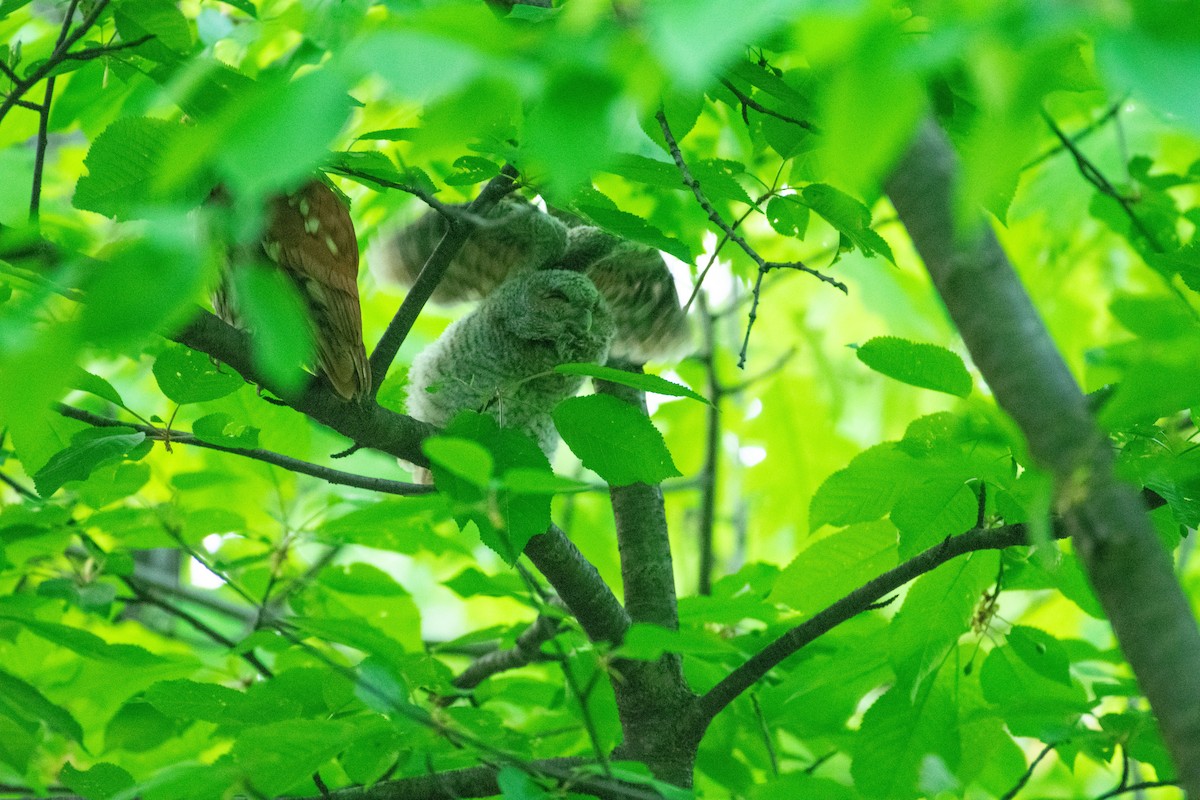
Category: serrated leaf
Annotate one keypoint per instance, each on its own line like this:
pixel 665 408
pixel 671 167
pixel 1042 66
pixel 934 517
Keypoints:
pixel 188 700
pixel 76 462
pixel 834 566
pixel 219 428
pixel 101 781
pixel 26 700
pixel 614 440
pixel 160 19
pixel 898 734
pixel 123 164
pixel 917 364
pixel 630 226
pixel 85 381
pixel 461 458
pixel 189 376
pixel 536 481
pixel 851 218
pixel 647 383
pixel 788 217
pixel 865 490
pixel 273 309
pixel 470 170
pixel 936 611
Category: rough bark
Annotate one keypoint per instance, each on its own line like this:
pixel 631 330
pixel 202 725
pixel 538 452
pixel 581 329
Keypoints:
pixel 1129 569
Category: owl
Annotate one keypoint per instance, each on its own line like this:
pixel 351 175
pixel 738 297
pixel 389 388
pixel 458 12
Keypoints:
pixel 498 359
pixel 309 235
pixel 632 278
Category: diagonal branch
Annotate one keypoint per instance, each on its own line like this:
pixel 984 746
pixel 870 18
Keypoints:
pixel 327 474
pixel 1126 563
pixel 365 423
pixel 527 650
pixel 861 599
pixel 457 232
pixel 579 586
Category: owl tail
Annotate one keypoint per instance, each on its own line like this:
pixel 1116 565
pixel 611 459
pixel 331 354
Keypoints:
pixel 346 367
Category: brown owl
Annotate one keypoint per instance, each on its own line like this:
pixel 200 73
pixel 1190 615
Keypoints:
pixel 632 278
pixel 309 235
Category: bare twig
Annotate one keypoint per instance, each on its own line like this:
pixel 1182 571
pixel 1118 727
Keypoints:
pixel 1024 779
pixel 65 42
pixel 750 102
pixel 1136 787
pixel 1078 136
pixel 88 53
pixel 1092 174
pixel 327 474
pixel 431 275
pixel 764 266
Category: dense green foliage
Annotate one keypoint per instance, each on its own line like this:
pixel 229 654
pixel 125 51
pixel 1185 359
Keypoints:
pixel 178 620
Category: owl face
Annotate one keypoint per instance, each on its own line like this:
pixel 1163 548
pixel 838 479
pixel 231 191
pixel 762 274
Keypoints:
pixel 557 307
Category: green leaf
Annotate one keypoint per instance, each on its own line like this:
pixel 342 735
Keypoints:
pixel 917 364
pixel 94 384
pixel 936 611
pixel 160 19
pixel 899 733
pixel 220 429
pixel 647 383
pixel 86 644
pixel 282 338
pixel 571 129
pixel 788 217
pixel 629 226
pixel 832 567
pixel 851 218
pixel 188 700
pixel 614 439
pixel 648 642
pixel 91 450
pixel 101 781
pixel 517 784
pixel 189 376
pixel 1041 651
pixel 524 480
pixel 123 164
pixel 866 489
pixel 461 458
pixel 27 701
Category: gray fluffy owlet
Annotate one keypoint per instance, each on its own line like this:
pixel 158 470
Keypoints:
pixel 494 359
pixel 519 238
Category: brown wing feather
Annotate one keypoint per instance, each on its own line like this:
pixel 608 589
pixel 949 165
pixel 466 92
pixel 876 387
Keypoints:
pixel 522 239
pixel 310 235
pixel 638 287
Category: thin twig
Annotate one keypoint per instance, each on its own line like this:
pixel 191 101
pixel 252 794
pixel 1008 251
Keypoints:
pixel 1024 779
pixel 1094 176
pixel 327 474
pixel 24 491
pixel 65 42
pixel 1078 136
pixel 766 735
pixel 1137 787
pixel 89 53
pixel 750 102
pixel 527 650
pixel 39 160
pixel 764 266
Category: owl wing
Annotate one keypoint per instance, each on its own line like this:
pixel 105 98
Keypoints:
pixel 640 292
pixel 310 235
pixel 521 239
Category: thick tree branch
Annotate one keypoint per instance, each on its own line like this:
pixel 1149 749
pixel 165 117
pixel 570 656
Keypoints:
pixel 327 474
pixel 457 232
pixel 1128 567
pixel 579 586
pixel 365 423
pixel 646 567
pixel 481 782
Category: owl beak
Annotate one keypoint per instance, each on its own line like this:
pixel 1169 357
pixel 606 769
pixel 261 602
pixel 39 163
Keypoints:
pixel 587 321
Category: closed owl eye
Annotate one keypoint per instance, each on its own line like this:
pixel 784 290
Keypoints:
pixel 557 294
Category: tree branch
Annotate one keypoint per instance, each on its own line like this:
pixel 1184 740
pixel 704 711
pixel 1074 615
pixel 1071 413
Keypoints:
pixel 457 232
pixel 764 266
pixel 327 474
pixel 1128 567
pixel 365 423
pixel 762 662
pixel 749 102
pixel 579 586
pixel 526 651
